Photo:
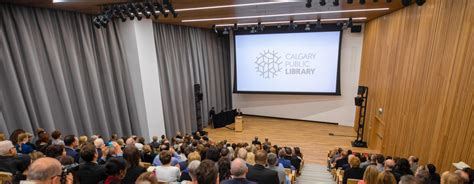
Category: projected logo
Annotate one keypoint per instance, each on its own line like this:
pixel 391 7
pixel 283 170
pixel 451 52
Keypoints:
pixel 268 64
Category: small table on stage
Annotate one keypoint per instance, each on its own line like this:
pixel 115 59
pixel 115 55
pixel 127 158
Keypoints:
pixel 238 127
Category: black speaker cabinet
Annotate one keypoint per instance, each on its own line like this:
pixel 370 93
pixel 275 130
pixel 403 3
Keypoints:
pixel 356 29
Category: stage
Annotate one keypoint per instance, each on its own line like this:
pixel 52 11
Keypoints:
pixel 312 138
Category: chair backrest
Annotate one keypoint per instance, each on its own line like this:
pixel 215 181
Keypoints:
pixel 5 177
pixel 352 181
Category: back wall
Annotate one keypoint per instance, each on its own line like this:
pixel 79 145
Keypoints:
pixel 333 109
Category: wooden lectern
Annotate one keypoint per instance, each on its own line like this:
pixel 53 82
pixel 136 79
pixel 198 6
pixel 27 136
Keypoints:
pixel 238 123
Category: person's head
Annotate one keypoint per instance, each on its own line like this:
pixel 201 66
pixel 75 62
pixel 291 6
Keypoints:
pixel 354 162
pixel 155 138
pixel 386 178
pixel 70 141
pixel 89 153
pixel 147 178
pixel 272 159
pixel 15 134
pixel 54 151
pixel 131 155
pixel 431 168
pixel 467 175
pixel 238 168
pixel 65 160
pixel 224 168
pixel 403 164
pixel 120 142
pixel 45 170
pixel 116 167
pixel 194 156
pixel 389 165
pixel 2 136
pixel 207 173
pixel 213 154
pixel 7 148
pixel 379 159
pixel 344 154
pixel 43 137
pixel 250 158
pixel 98 143
pixel 422 174
pixel 225 152
pixel 22 138
pixel 192 166
pixel 242 153
pixel 130 141
pixel 147 149
pixel 261 157
pixel 450 178
pixel 165 157
pixel 371 174
pixel 408 179
pixel 56 134
pixel 114 137
pixel 412 160
pixel 82 140
pixel 35 155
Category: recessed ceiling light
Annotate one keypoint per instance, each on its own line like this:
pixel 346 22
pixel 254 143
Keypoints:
pixel 285 14
pixel 228 6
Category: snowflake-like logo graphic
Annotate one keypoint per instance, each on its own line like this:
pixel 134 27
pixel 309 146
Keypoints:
pixel 268 64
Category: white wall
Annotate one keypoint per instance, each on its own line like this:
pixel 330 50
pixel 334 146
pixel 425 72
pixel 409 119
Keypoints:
pixel 138 40
pixel 334 109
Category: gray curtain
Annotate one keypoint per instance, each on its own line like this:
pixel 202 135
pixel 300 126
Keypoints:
pixel 58 71
pixel 188 56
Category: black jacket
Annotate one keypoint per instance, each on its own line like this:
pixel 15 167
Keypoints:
pixel 89 172
pixel 258 173
pixel 341 162
pixel 132 174
pixel 353 173
pixel 238 181
pixel 10 164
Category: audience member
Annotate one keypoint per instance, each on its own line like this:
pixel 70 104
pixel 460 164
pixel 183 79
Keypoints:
pixel 370 175
pixel 390 167
pixel 65 160
pixel 434 176
pixel 71 143
pixel 8 161
pixel 89 171
pixel 250 158
pixel 185 174
pixel 239 171
pixel 14 135
pixel 423 175
pixel 147 178
pixel 259 173
pixel 282 159
pixel 379 160
pixel 23 147
pixel 56 135
pixel 132 156
pixel 450 178
pixel 54 151
pixel 147 154
pixel 207 173
pixel 166 172
pixel 242 153
pixel 224 168
pixel 403 167
pixel 154 143
pixel 2 136
pixel 116 169
pixel 43 141
pixel 213 154
pixel 189 175
pixel 413 161
pixel 22 168
pixel 272 161
pixel 467 175
pixel 46 171
pixel 354 172
pixel 386 178
pixel 82 141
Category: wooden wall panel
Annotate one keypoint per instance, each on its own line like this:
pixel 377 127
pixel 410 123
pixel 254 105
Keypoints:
pixel 418 63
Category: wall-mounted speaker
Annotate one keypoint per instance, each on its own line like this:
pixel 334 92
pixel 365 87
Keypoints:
pixel 356 29
pixel 358 101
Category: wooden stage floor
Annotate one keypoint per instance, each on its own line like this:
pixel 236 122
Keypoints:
pixel 312 138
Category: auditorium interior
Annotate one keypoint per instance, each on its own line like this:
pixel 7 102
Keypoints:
pixel 237 91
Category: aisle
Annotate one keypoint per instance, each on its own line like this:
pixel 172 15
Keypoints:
pixel 315 174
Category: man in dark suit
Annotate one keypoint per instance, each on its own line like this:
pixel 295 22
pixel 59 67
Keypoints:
pixel 90 171
pixel 343 160
pixel 238 169
pixel 8 162
pixel 259 173
pixel 71 144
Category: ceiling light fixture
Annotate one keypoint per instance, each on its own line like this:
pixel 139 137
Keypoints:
pixel 335 3
pixel 322 2
pixel 286 14
pixel 295 21
pixel 227 6
pixel 309 3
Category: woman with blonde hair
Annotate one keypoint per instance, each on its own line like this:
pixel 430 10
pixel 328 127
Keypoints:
pixel 386 177
pixel 450 178
pixel 82 140
pixel 250 158
pixel 370 175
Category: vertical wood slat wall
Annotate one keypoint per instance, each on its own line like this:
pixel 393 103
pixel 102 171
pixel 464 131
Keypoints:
pixel 418 63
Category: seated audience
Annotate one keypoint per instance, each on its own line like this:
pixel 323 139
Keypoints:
pixel 379 160
pixel 354 172
pixel 370 175
pixel 239 171
pixel 213 154
pixel 450 178
pixel 71 144
pixel 467 175
pixel 258 173
pixel 386 178
pixel 282 159
pixel 390 167
pixel 43 141
pixel 132 156
pixel 403 167
pixel 54 151
pixel 155 144
pixel 207 173
pixel 89 171
pixel 423 175
pixel 56 135
pixel 22 169
pixel 434 176
pixel 295 161
pixel 186 175
pixel 46 171
pixel 174 159
pixel 190 175
pixel 344 159
pixel 224 169
pixel 82 141
pixel 165 172
pixel 147 178
pixel 147 154
pixel 272 161
pixel 250 158
pixel 14 136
